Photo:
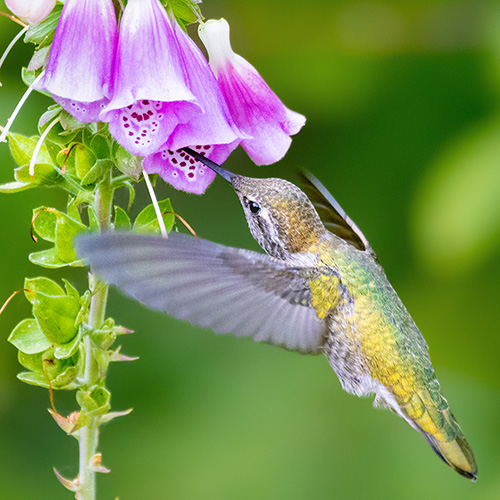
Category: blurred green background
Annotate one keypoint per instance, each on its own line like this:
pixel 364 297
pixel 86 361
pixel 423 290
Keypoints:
pixel 402 102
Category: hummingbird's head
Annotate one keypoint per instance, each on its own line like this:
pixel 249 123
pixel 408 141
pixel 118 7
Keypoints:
pixel 280 216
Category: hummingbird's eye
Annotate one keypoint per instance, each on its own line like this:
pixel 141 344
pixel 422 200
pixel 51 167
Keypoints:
pixel 254 207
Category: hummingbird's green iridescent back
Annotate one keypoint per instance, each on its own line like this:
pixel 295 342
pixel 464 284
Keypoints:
pixel 319 289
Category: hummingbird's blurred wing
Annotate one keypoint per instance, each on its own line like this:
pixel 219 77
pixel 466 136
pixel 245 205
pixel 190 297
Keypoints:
pixel 229 290
pixel 331 213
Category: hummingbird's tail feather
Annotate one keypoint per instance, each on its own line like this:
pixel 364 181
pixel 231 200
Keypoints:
pixel 432 417
pixel 457 454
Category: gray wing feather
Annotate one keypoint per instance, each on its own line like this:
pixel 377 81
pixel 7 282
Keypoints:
pixel 331 213
pixel 228 290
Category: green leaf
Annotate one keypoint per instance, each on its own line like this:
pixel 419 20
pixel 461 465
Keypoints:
pixel 22 149
pixel 34 378
pixel 186 11
pixel 15 187
pixel 96 401
pixel 93 219
pixel 55 312
pixel 65 380
pixel 60 138
pixel 122 220
pixel 54 149
pixel 44 175
pixel 64 351
pixel 48 259
pixel 101 396
pixel 27 76
pixel 147 222
pixel 32 362
pixel 71 291
pixel 56 316
pixel 45 223
pixel 44 120
pixel 102 360
pixel 83 314
pixel 127 163
pixel 104 338
pixel 88 133
pixel 28 337
pixel 39 59
pixel 54 367
pixel 69 122
pixel 73 210
pixel 41 285
pixel 58 227
pixel 96 172
pixel 131 194
pixel 99 145
pixel 43 33
pixel 81 159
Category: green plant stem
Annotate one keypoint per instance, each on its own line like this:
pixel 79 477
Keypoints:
pixel 88 449
pixel 89 435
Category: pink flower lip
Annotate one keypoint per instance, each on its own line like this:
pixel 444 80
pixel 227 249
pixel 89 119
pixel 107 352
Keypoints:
pixel 255 108
pixel 182 171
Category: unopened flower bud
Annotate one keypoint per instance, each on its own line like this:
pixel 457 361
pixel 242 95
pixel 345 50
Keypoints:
pixel 31 11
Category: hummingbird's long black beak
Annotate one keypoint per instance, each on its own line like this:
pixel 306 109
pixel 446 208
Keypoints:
pixel 225 174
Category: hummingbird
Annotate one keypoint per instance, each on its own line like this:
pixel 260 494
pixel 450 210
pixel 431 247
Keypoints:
pixel 317 289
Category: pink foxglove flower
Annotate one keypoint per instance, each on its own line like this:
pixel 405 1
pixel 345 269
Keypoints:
pixel 212 133
pixel 81 58
pixel 255 108
pixel 150 93
pixel 31 11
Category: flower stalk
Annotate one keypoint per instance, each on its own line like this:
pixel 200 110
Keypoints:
pixel 89 435
pixel 88 444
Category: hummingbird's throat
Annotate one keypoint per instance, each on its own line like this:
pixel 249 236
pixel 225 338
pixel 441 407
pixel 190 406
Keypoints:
pixel 299 234
pixel 282 238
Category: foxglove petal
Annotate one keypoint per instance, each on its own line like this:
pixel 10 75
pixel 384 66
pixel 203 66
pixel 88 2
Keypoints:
pixel 215 126
pixel 150 92
pixel 81 58
pixel 213 133
pixel 255 108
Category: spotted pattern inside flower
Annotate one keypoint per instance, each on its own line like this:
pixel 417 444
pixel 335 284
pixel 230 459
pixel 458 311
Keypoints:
pixel 140 121
pixel 81 108
pixel 85 112
pixel 185 165
pixel 78 107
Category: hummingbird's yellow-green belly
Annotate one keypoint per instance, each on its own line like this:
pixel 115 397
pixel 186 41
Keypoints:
pixel 389 363
pixel 381 332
